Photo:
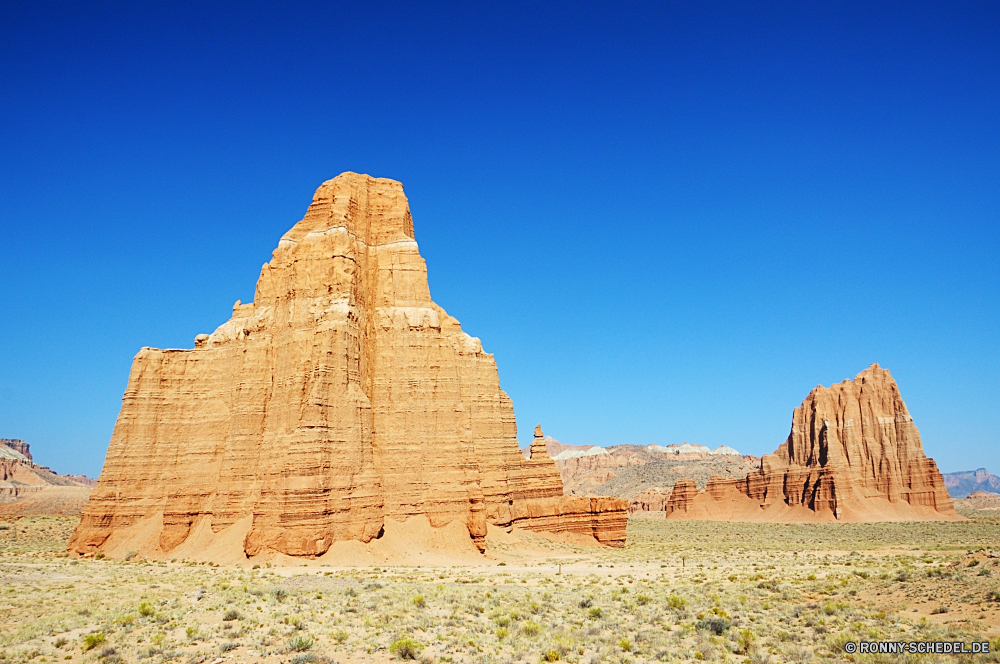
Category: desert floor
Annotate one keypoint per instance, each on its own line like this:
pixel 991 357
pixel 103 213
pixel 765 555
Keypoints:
pixel 679 591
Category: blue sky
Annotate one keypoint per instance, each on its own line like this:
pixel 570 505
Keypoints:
pixel 668 221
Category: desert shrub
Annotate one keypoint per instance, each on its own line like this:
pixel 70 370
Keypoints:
pixel 146 609
pixel 595 613
pixel 586 603
pixel 715 624
pixel 129 555
pixel 624 644
pixel 758 656
pixel 406 648
pixel 91 641
pixel 300 643
pixel 939 610
pixel 676 602
pixel 60 642
pixel 830 608
pixel 835 642
pixel 231 615
pixel 305 658
pixel 419 601
pixel 226 647
pixel 902 576
pixel 191 633
pixel 550 656
pixel 993 596
pixel 340 636
pixel 745 639
pixel 643 600
pixel 279 594
pixel 531 628
pixel 502 633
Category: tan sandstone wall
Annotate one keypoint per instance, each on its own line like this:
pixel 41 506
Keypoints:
pixel 341 397
pixel 853 454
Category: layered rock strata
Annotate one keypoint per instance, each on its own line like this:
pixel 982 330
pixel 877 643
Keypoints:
pixel 853 454
pixel 341 397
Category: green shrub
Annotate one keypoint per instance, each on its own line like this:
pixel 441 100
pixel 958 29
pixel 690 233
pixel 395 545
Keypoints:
pixel 226 647
pixel 406 648
pixel 419 602
pixel 531 628
pixel 91 641
pixel 501 633
pixel 231 615
pixel 745 639
pixel 340 636
pixel 642 600
pixel 625 644
pixel 676 602
pixel 146 609
pixel 300 643
pixel 279 594
pixel 550 656
pixel 129 555
pixel 595 613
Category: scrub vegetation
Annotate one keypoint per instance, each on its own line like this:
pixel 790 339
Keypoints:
pixel 680 591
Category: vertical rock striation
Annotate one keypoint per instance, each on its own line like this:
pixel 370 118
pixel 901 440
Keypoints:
pixel 341 397
pixel 853 454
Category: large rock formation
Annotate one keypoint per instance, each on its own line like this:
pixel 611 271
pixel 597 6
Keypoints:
pixel 340 399
pixel 853 454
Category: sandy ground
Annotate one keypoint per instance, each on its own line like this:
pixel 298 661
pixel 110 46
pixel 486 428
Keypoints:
pixel 680 591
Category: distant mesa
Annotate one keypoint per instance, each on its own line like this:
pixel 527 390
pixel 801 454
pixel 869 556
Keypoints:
pixel 27 488
pixel 853 454
pixel 962 484
pixel 341 415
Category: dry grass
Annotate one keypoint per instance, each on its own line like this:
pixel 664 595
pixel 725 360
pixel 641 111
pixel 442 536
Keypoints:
pixel 745 593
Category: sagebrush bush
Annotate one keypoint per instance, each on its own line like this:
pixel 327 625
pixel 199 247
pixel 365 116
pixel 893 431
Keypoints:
pixel 93 640
pixel 406 648
pixel 300 643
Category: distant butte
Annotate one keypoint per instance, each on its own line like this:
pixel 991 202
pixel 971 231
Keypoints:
pixel 853 454
pixel 341 408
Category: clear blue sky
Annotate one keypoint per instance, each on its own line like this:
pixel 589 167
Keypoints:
pixel 668 221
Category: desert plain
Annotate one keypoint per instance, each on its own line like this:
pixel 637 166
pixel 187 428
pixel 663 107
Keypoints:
pixel 680 590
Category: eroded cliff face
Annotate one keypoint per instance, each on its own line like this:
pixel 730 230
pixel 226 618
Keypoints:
pixel 853 454
pixel 341 397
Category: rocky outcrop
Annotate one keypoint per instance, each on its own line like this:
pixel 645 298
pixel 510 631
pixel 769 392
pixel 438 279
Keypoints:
pixel 853 454
pixel 340 398
pixel 18 446
pixel 650 500
pixel 28 488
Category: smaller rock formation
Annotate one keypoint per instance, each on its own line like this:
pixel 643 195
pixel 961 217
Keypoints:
pixel 28 488
pixel 853 454
pixel 17 445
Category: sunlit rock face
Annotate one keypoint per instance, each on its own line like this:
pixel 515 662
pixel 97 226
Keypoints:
pixel 340 397
pixel 853 454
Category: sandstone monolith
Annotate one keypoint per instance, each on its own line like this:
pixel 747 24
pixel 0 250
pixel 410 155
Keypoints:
pixel 853 454
pixel 340 401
